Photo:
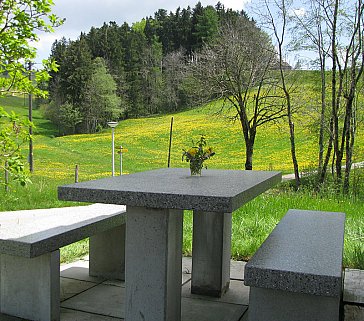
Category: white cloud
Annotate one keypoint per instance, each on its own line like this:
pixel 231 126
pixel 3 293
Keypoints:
pixel 300 12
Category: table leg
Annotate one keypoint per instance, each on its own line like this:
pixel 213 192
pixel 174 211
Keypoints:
pixel 211 252
pixel 153 264
pixel 107 253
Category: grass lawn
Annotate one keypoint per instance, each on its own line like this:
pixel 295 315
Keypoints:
pixel 147 143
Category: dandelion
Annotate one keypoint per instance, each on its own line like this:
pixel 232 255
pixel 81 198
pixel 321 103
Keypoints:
pixel 197 155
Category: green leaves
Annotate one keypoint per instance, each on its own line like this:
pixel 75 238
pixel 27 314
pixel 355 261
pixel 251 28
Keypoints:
pixel 21 21
pixel 13 134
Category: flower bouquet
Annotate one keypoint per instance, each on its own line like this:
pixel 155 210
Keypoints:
pixel 197 155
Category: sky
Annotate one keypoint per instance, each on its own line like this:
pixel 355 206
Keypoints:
pixel 81 15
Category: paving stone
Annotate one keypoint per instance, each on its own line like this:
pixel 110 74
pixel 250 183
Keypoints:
pixel 201 310
pixel 102 299
pixel 353 313
pixel 245 316
pixel 185 279
pixel 238 293
pixel 72 287
pixel 5 317
pixel 105 301
pixel 72 315
pixel 79 271
pixel 187 265
pixel 237 270
pixel 80 263
pixel 354 286
pixel 118 283
pixel 109 301
pixel 186 269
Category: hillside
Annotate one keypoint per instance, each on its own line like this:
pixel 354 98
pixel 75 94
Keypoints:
pixel 147 142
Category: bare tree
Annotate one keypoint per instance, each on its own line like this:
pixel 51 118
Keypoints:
pixel 238 68
pixel 350 72
pixel 333 29
pixel 279 31
pixel 310 32
pixel 174 74
pixel 346 33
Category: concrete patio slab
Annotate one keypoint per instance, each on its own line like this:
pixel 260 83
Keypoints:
pixel 102 299
pixel 237 270
pixel 187 265
pixel 353 313
pixel 72 287
pixel 79 271
pixel 238 293
pixel 186 273
pixel 354 286
pixel 109 301
pixel 118 283
pixel 72 315
pixel 201 310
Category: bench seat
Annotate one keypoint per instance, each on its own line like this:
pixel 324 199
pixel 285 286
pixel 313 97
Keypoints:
pixel 297 274
pixel 29 254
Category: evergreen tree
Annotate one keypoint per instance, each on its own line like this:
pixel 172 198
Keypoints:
pixel 206 27
pixel 147 62
pixel 100 104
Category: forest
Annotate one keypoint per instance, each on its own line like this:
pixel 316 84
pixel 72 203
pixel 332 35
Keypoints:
pixel 117 72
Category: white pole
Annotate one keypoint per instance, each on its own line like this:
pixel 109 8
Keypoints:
pixel 113 124
pixel 113 151
pixel 121 160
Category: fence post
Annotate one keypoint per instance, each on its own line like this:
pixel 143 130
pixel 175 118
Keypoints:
pixel 6 177
pixel 121 160
pixel 170 144
pixel 76 174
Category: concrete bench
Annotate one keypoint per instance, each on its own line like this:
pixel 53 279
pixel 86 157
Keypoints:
pixel 30 260
pixel 296 275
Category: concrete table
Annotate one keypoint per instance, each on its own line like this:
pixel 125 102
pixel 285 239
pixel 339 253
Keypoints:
pixel 155 202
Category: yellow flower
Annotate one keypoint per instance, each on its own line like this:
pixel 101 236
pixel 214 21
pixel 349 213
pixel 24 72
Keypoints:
pixel 192 151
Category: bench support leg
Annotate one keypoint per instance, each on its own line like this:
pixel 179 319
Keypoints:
pixel 211 251
pixel 107 254
pixel 277 305
pixel 29 287
pixel 153 264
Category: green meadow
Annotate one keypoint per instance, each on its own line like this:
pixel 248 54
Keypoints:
pixel 147 141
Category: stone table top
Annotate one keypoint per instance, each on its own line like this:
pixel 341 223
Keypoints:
pixel 174 188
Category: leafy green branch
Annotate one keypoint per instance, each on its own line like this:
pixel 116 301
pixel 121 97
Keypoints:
pixel 13 134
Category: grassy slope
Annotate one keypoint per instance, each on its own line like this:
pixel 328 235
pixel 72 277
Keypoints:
pixel 147 141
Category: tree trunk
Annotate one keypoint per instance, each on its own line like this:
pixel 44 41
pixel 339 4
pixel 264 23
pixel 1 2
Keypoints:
pixel 321 172
pixel 293 152
pixel 325 164
pixel 335 96
pixel 349 134
pixel 249 147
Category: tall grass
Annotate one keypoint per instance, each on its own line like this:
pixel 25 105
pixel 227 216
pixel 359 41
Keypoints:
pixel 253 222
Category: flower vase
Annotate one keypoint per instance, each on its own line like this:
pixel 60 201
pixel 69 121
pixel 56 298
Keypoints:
pixel 195 168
